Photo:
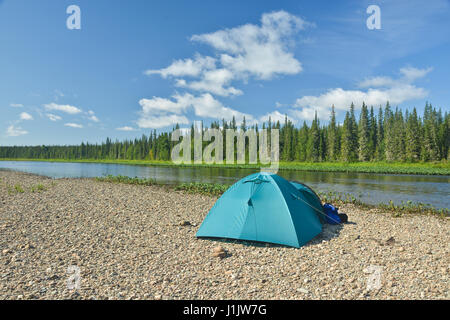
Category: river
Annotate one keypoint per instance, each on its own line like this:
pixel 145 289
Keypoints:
pixel 368 187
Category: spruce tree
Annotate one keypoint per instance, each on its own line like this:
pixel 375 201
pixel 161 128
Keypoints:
pixel 412 137
pixel 372 134
pixel 313 149
pixel 332 137
pixel 379 150
pixel 302 141
pixel 349 141
pixel 389 134
pixel 364 135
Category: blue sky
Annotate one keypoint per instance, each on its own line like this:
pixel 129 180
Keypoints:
pixel 141 65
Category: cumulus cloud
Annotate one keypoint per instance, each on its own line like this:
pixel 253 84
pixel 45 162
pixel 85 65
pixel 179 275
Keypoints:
pixel 13 131
pixel 378 91
pixel 73 125
pixel 161 112
pixel 277 116
pixel 156 122
pixel 92 116
pixel 126 128
pixel 62 107
pixel 53 117
pixel 186 67
pixel 26 116
pixel 408 76
pixel 259 50
pixel 213 81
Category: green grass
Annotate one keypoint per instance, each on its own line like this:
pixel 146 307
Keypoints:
pixel 38 188
pixel 18 188
pixel 126 180
pixel 336 198
pixel 427 168
pixel 203 188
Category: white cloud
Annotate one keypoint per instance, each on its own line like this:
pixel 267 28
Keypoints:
pixel 92 116
pixel 379 90
pixel 26 116
pixel 276 116
pixel 62 107
pixel 16 105
pixel 53 117
pixel 259 51
pixel 262 51
pixel 126 128
pixel 186 67
pixel 73 125
pixel 212 81
pixel 156 122
pixel 160 112
pixel 408 76
pixel 13 131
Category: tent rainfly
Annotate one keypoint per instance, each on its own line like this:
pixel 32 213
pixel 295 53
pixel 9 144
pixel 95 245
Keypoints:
pixel 265 207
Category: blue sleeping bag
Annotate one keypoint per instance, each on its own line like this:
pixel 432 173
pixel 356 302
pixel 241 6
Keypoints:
pixel 331 213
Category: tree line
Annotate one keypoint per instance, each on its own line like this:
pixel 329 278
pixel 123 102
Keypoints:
pixel 389 135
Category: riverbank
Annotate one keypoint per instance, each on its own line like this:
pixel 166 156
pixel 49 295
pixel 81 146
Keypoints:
pixel 138 242
pixel 437 168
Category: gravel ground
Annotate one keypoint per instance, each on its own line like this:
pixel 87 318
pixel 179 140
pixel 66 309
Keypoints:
pixel 138 242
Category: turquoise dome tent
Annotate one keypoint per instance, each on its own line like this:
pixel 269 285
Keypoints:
pixel 265 207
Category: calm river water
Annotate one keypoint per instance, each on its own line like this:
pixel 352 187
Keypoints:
pixel 370 188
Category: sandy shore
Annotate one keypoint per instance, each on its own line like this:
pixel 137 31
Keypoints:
pixel 132 242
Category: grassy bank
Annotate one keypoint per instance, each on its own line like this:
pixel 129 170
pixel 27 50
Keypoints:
pixel 336 198
pixel 429 168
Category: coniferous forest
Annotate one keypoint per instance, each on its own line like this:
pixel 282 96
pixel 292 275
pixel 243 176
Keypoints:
pixel 385 134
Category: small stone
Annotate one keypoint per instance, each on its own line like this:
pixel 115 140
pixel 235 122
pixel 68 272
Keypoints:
pixel 401 249
pixel 158 297
pixel 218 249
pixel 185 223
pixel 303 290
pixel 6 251
pixel 306 280
pixel 219 254
pixel 390 241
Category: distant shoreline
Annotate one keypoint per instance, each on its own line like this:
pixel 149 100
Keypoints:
pixel 436 168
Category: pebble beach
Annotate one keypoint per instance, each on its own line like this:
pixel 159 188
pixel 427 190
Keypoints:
pixel 138 242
